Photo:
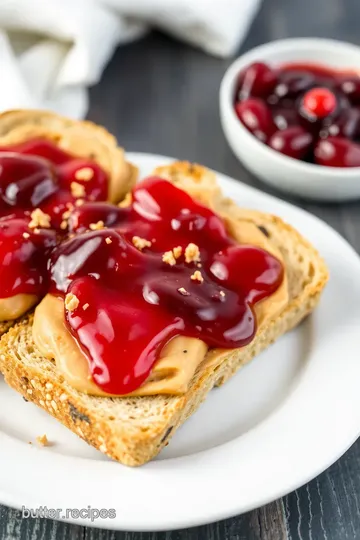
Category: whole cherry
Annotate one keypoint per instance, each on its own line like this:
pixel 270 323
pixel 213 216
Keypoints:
pixel 293 142
pixel 337 152
pixel 256 80
pixel 346 124
pixel 285 117
pixel 350 86
pixel 256 117
pixel 318 103
pixel 293 83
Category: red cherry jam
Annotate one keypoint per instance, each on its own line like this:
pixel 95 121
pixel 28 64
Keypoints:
pixel 294 107
pixel 24 257
pixel 37 175
pixel 140 283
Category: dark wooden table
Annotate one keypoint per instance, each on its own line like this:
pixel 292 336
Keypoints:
pixel 160 96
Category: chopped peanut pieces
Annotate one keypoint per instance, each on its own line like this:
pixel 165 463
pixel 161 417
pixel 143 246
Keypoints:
pixel 108 240
pixel 168 258
pixel 42 440
pixel 85 174
pixel 192 253
pixel 97 226
pixel 197 276
pixel 183 291
pixel 177 251
pixel 39 219
pixel 140 243
pixel 77 190
pixel 71 302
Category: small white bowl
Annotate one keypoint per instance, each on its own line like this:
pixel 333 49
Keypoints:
pixel 285 173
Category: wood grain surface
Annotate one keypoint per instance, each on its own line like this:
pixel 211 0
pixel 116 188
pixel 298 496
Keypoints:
pixel 158 95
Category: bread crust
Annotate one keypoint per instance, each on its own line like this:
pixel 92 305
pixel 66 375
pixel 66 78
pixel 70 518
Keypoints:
pixel 133 430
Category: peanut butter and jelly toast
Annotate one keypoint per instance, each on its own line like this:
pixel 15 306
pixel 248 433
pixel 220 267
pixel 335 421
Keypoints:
pixel 133 426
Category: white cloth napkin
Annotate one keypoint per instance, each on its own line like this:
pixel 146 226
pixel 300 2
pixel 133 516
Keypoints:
pixel 52 50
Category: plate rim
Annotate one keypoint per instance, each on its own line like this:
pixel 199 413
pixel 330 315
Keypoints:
pixel 151 470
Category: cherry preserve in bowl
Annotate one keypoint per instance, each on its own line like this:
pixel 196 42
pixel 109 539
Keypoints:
pixel 294 108
pixel 290 111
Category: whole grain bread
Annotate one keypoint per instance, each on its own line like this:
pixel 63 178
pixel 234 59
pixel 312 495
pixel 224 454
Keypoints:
pixel 133 430
pixel 80 138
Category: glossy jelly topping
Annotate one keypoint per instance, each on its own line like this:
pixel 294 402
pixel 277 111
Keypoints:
pixel 24 257
pixel 294 107
pixel 39 184
pixel 167 267
pixel 39 174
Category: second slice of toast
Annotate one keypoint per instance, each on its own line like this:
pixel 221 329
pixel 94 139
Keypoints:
pixel 133 430
pixel 81 138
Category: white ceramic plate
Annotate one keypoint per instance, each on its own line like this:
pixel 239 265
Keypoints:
pixel 278 423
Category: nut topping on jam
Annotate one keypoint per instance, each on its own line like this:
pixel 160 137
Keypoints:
pixel 97 226
pixel 197 276
pixel 85 174
pixel 183 291
pixel 71 302
pixel 39 219
pixel 77 190
pixel 140 243
pixel 192 253
pixel 177 251
pixel 168 258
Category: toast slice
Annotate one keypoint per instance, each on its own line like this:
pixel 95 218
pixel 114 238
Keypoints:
pixel 80 138
pixel 133 430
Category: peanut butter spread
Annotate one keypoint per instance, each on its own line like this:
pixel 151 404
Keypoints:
pixel 15 306
pixel 181 356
